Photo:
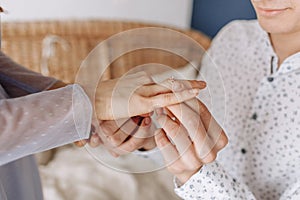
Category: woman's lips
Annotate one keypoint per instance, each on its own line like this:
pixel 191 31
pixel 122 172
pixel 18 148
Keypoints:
pixel 270 12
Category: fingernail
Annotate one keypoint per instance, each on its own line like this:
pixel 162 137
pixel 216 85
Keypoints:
pixel 136 119
pixel 203 83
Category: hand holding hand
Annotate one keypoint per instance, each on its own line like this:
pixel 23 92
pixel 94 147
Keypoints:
pixel 136 94
pixel 124 136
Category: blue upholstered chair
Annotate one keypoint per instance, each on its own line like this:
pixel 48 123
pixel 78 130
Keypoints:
pixel 211 15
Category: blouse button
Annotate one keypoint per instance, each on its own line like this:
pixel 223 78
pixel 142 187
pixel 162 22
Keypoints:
pixel 243 151
pixel 254 116
pixel 270 79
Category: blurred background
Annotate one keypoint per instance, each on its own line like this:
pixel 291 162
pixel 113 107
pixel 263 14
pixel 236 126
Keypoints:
pixel 54 37
pixel 168 12
pixel 205 15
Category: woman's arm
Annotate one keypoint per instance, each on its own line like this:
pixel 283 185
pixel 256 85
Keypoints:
pixel 42 121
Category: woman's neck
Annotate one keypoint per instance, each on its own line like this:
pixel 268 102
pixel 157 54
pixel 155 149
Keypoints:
pixel 285 45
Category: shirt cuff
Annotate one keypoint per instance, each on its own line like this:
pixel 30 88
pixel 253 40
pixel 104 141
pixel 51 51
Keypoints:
pixel 200 183
pixel 212 182
pixel 82 112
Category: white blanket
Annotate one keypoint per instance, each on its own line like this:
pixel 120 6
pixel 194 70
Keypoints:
pixel 75 174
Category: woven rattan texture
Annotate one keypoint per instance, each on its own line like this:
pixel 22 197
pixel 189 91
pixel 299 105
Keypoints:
pixel 23 42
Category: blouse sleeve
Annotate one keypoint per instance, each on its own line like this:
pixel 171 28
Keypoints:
pixel 19 81
pixel 42 121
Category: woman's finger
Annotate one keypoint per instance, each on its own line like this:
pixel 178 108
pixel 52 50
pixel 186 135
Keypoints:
pixel 163 100
pixel 138 78
pixel 137 140
pixel 109 127
pixel 94 140
pixel 176 85
pixel 139 106
pixel 170 85
pixel 80 143
pixel 125 131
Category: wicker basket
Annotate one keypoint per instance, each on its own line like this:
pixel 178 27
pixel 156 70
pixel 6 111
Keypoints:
pixel 71 41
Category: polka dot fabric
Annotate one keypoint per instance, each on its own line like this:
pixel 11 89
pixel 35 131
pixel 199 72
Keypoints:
pixel 262 103
pixel 42 121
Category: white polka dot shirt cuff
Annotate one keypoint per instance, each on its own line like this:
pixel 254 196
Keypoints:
pixel 212 182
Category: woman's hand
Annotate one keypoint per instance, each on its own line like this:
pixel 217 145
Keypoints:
pixel 189 138
pixel 136 94
pixel 125 136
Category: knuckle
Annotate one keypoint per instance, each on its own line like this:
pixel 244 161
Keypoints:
pixel 160 100
pixel 210 157
pixel 145 77
pixel 196 123
pixel 223 140
pixel 168 97
pixel 144 104
pixel 202 108
pixel 168 83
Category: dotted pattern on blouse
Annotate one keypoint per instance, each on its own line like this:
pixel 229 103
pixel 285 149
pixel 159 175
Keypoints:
pixel 262 122
pixel 42 121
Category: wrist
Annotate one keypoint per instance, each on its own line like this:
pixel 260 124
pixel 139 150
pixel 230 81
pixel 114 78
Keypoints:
pixel 184 177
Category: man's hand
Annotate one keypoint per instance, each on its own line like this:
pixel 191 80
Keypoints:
pixel 189 138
